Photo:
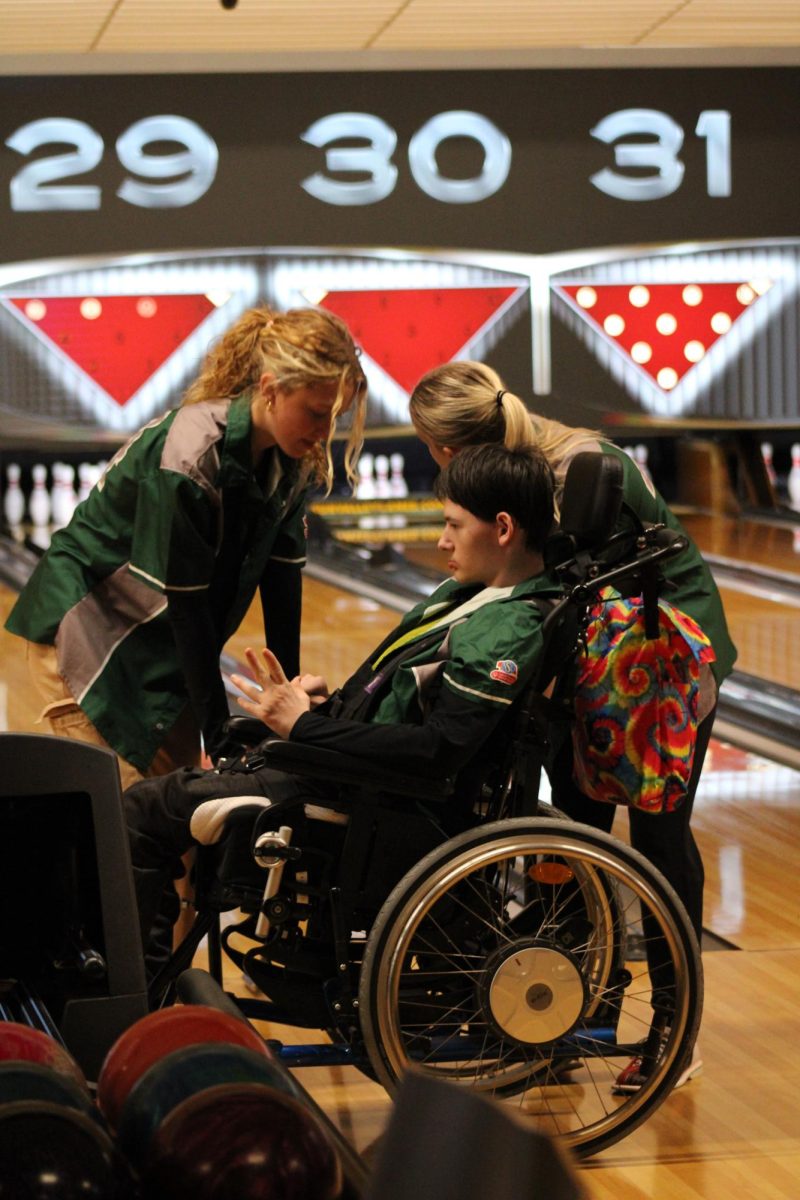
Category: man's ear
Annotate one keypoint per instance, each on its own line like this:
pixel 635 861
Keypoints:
pixel 506 526
pixel 447 452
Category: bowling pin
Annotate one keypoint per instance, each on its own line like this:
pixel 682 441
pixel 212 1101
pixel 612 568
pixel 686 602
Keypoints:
pixel 70 495
pixel 61 505
pixel 640 455
pixel 14 499
pixel 85 480
pixel 766 454
pixel 399 487
pixel 794 478
pixel 39 507
pixel 383 489
pixel 365 487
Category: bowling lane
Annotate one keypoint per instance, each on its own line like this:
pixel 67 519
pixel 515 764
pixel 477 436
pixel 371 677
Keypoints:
pixel 771 545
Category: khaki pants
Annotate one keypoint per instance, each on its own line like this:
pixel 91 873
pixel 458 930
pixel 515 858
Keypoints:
pixel 181 747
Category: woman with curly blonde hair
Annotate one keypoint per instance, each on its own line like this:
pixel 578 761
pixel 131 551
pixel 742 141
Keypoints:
pixel 129 609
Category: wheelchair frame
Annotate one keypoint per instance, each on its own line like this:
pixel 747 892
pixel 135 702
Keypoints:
pixel 500 949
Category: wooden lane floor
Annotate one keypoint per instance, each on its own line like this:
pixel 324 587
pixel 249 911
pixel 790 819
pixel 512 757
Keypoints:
pixel 735 1130
pixel 761 542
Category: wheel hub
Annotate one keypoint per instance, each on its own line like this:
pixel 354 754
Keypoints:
pixel 534 993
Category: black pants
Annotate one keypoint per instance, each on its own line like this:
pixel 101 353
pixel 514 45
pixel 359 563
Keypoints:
pixel 665 839
pixel 158 814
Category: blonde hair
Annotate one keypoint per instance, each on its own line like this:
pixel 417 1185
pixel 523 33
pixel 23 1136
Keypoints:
pixel 467 404
pixel 303 347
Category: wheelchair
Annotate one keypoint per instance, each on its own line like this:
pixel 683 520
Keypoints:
pixel 470 933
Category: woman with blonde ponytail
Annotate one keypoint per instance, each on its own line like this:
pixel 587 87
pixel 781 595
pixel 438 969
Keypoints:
pixel 128 610
pixel 464 403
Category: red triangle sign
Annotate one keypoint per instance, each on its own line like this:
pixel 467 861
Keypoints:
pixel 409 331
pixel 665 328
pixel 118 341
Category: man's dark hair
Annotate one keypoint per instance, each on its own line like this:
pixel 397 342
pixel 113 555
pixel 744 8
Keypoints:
pixel 486 480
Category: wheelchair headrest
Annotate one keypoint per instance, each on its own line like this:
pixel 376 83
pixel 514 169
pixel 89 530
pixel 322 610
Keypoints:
pixel 590 505
pixel 591 499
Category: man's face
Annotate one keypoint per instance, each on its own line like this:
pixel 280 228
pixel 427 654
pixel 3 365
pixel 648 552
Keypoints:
pixel 471 546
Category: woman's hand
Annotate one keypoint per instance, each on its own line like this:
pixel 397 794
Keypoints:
pixel 275 700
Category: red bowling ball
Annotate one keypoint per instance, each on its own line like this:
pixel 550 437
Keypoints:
pixel 159 1034
pixel 242 1142
pixel 21 1043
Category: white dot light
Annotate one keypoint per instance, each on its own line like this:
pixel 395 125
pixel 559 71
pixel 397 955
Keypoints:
pixel 641 352
pixel 666 324
pixel 91 308
pixel 586 297
pixel 692 295
pixel 639 296
pixel 220 298
pixel 614 325
pixel 667 378
pixel 760 286
pixel 745 294
pixel 721 322
pixel 694 351
pixel 35 310
pixel 146 306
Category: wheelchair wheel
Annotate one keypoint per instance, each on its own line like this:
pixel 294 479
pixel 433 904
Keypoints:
pixel 530 958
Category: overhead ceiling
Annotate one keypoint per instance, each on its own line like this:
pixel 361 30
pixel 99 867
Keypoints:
pixel 92 35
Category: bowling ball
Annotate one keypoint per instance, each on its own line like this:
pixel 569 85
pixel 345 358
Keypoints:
pixel 47 1150
pixel 32 1081
pixel 21 1043
pixel 242 1142
pixel 182 1074
pixel 159 1034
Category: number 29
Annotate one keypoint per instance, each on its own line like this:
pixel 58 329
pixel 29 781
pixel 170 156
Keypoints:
pixel 37 187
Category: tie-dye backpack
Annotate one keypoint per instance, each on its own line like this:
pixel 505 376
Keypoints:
pixel 636 704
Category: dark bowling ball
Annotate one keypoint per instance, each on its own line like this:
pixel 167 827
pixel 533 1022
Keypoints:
pixel 53 1152
pixel 242 1142
pixel 155 1036
pixel 180 1075
pixel 32 1081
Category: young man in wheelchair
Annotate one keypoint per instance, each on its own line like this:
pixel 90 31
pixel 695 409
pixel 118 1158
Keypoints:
pixel 425 703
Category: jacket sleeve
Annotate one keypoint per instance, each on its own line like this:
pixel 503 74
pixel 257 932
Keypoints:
pixel 451 735
pixel 196 645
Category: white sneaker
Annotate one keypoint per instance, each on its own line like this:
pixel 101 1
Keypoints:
pixel 693 1067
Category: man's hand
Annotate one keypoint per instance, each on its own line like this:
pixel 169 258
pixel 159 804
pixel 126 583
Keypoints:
pixel 314 686
pixel 278 703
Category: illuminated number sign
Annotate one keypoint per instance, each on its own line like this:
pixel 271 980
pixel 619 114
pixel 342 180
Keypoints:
pixel 38 187
pixel 177 179
pixel 374 159
pixel 661 154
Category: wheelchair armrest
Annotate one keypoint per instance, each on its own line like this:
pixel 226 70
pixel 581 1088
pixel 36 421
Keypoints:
pixel 247 730
pixel 317 762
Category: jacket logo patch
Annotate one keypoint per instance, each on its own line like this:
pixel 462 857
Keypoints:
pixel 506 671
